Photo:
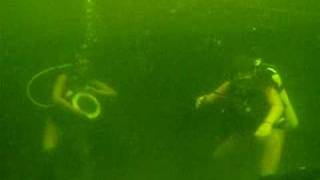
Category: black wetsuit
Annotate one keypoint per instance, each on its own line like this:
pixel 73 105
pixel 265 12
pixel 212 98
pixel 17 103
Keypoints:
pixel 245 102
pixel 72 158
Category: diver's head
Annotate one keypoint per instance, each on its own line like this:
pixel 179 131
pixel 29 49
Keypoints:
pixel 245 67
pixel 82 64
pixel 247 75
pixel 81 60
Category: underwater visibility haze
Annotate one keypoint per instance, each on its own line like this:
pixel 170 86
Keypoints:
pixel 106 89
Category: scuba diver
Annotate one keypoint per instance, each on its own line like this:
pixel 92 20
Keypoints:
pixel 70 89
pixel 259 107
pixel 75 107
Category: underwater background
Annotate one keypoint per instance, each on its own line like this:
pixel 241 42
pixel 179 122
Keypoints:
pixel 159 55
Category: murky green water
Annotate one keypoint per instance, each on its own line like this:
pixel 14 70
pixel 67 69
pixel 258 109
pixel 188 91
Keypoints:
pixel 159 56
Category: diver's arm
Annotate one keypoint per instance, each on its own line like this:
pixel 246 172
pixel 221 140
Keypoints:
pixel 58 95
pixel 276 106
pixel 212 97
pixel 275 112
pixel 289 111
pixel 102 89
pixel 218 93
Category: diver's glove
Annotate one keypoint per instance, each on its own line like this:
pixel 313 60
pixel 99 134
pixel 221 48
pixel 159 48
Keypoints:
pixel 200 101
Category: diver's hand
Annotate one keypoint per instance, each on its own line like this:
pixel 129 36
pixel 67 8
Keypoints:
pixel 101 89
pixel 79 113
pixel 263 130
pixel 200 101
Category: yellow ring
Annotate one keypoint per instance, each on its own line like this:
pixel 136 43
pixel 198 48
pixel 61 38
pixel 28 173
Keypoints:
pixel 90 115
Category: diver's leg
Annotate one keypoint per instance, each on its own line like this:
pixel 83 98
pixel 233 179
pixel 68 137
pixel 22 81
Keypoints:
pixel 49 147
pixel 226 147
pixel 272 148
pixel 50 137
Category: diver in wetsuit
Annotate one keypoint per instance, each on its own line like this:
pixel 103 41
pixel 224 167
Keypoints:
pixel 65 139
pixel 256 97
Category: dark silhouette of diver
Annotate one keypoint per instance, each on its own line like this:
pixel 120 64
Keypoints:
pixel 65 138
pixel 255 96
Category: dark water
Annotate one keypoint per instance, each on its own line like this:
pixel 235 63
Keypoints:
pixel 159 56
